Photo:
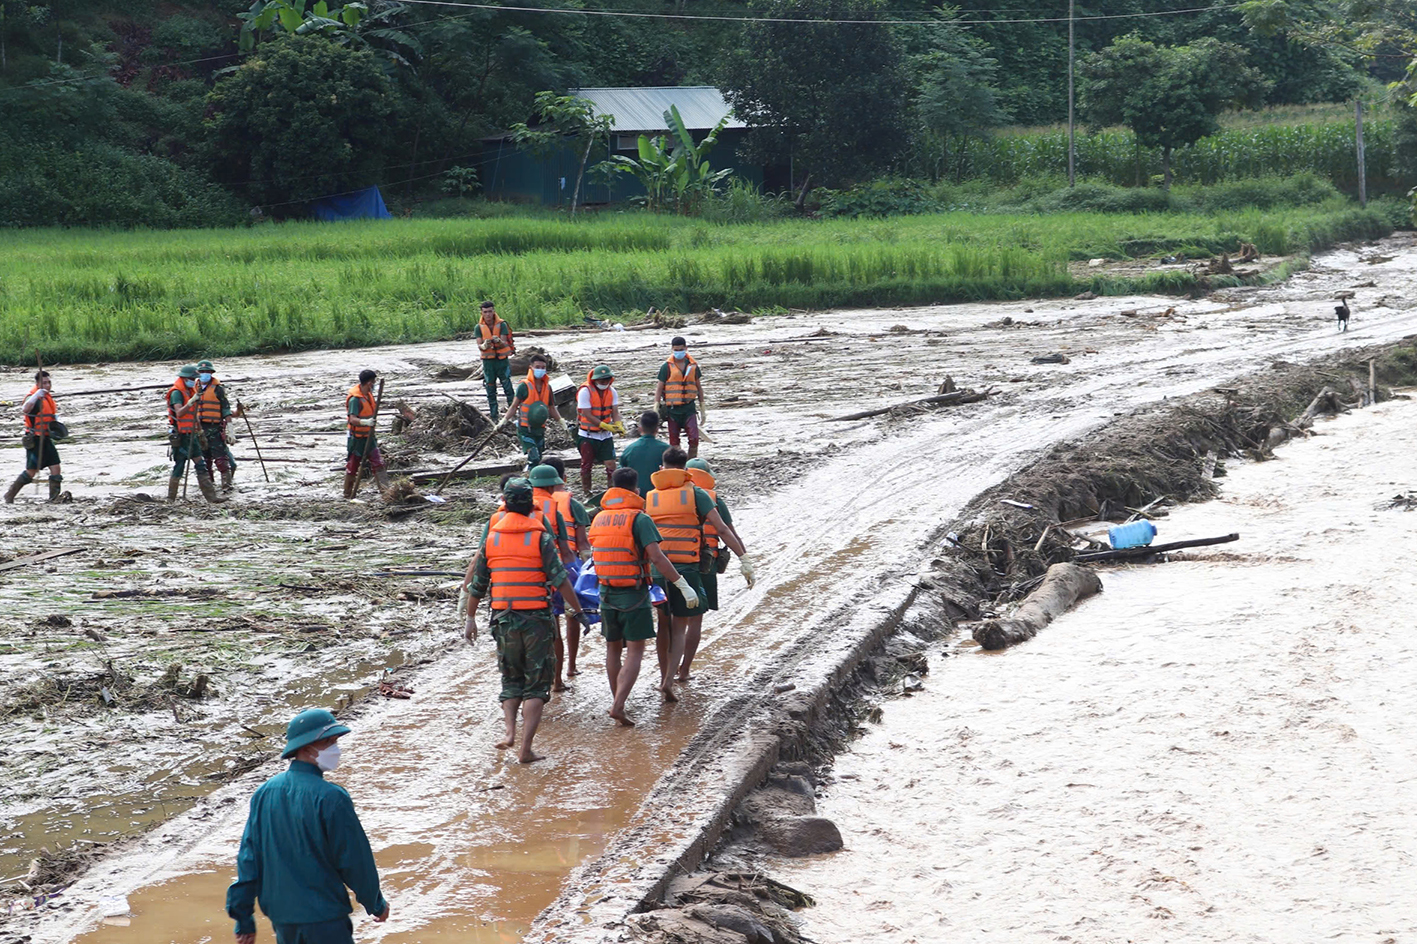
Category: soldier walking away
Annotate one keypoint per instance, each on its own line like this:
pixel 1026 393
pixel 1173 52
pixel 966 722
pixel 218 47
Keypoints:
pixel 534 405
pixel 644 454
pixel 360 405
pixel 213 416
pixel 598 419
pixel 713 560
pixel 680 510
pixel 302 846
pixel 577 520
pixel 42 426
pixel 626 544
pixel 517 564
pixel 184 436
pixel 680 394
pixel 497 346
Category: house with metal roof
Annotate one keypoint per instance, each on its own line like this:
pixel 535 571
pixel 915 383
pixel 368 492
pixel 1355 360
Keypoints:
pixel 510 173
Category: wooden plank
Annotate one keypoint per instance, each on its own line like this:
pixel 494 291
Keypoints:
pixel 471 472
pixel 1133 553
pixel 37 558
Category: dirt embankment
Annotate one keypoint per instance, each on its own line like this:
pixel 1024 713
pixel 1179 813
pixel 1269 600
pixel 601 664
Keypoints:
pixel 991 556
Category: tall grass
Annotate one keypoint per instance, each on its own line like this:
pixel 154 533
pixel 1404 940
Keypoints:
pixel 78 295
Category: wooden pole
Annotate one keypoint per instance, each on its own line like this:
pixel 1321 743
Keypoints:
pixel 481 446
pixel 242 410
pixel 1362 153
pixel 1072 150
pixel 369 440
pixel 1372 381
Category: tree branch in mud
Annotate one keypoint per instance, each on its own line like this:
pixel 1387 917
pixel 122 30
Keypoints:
pixel 1064 585
pixel 1138 553
pixel 931 403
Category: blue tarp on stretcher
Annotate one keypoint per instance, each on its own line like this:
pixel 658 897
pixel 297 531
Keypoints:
pixel 361 205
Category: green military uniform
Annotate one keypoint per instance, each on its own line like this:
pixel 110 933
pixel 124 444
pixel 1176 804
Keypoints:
pixel 213 435
pixel 703 504
pixel 679 412
pixel 525 638
pixel 626 614
pixel 708 563
pixel 532 437
pixel 498 370
pixel 644 455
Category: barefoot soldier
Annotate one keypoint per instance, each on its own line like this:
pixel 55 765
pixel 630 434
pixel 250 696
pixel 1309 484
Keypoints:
pixel 41 426
pixel 303 845
pixel 497 346
pixel 713 560
pixel 213 414
pixel 517 563
pixel 680 510
pixel 544 480
pixel 361 407
pixel 184 435
pixel 626 544
pixel 577 546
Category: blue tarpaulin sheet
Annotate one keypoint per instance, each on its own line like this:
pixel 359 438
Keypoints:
pixel 361 205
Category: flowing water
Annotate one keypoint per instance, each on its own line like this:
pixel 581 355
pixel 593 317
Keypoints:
pixel 472 847
pixel 1214 750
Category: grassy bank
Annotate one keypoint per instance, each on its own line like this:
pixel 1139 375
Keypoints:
pixel 77 295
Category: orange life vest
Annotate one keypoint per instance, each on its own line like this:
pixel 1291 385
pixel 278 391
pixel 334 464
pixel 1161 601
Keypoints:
pixel 187 422
pixel 208 406
pixel 366 410
pixel 563 505
pixel 537 516
pixel 601 404
pixel 681 387
pixel 535 390
pixel 38 421
pixel 618 562
pixel 671 505
pixel 513 555
pixel 546 501
pixel 502 348
pixel 706 482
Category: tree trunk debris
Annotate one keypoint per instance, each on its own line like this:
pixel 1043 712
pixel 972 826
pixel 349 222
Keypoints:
pixel 1063 586
pixel 929 403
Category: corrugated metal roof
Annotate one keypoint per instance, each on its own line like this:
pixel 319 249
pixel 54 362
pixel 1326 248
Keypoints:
pixel 642 109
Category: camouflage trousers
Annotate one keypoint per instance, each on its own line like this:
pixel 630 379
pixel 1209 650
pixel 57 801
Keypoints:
pixel 525 652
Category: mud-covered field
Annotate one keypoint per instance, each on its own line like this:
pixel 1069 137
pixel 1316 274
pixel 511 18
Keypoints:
pixel 288 596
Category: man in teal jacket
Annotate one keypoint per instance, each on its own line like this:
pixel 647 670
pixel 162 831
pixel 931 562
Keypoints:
pixel 302 845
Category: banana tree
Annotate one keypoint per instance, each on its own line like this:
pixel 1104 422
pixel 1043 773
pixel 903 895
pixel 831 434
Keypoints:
pixel 672 166
pixel 350 25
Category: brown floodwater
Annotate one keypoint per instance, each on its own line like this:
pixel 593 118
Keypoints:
pixel 473 847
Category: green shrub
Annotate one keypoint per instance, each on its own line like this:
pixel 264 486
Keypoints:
pixel 742 202
pixel 887 196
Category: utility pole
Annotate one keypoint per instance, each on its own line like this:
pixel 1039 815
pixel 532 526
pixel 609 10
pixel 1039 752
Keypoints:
pixel 1072 152
pixel 1362 153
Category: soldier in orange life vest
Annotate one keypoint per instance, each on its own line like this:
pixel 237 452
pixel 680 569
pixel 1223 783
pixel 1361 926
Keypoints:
pixel 598 415
pixel 213 413
pixel 626 544
pixel 497 346
pixel 680 393
pixel 360 406
pixel 39 414
pixel 531 420
pixel 712 561
pixel 518 563
pixel 680 510
pixel 553 501
pixel 184 435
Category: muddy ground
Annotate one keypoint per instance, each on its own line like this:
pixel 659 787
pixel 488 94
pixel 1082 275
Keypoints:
pixel 275 597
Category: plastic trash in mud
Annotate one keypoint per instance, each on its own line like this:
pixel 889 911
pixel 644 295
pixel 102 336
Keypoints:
pixel 115 911
pixel 1135 534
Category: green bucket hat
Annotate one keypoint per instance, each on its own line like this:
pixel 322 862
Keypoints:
pixel 602 372
pixel 188 372
pixel 207 366
pixel 537 414
pixel 543 476
pixel 699 464
pixel 311 725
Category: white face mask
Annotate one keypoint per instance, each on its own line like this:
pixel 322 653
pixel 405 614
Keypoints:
pixel 328 759
pixel 680 355
pixel 538 372
pixel 602 386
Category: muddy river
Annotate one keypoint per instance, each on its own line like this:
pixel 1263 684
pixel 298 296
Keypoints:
pixel 276 596
pixel 1214 750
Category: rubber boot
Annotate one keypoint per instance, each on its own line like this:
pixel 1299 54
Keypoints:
pixel 15 486
pixel 208 487
pixel 693 450
pixel 227 475
pixel 492 402
pixel 349 478
pixel 174 484
pixel 56 487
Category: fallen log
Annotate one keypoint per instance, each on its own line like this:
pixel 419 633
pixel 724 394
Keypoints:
pixel 1063 586
pixel 943 399
pixel 37 558
pixel 1133 553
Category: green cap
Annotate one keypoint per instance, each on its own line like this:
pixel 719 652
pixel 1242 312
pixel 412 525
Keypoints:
pixel 543 476
pixel 207 366
pixel 602 372
pixel 311 725
pixel 189 372
pixel 517 490
pixel 537 414
pixel 699 464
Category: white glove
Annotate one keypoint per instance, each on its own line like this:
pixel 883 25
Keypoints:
pixel 745 567
pixel 463 599
pixel 691 599
pixel 228 436
pixel 366 421
pixel 703 412
pixel 586 554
